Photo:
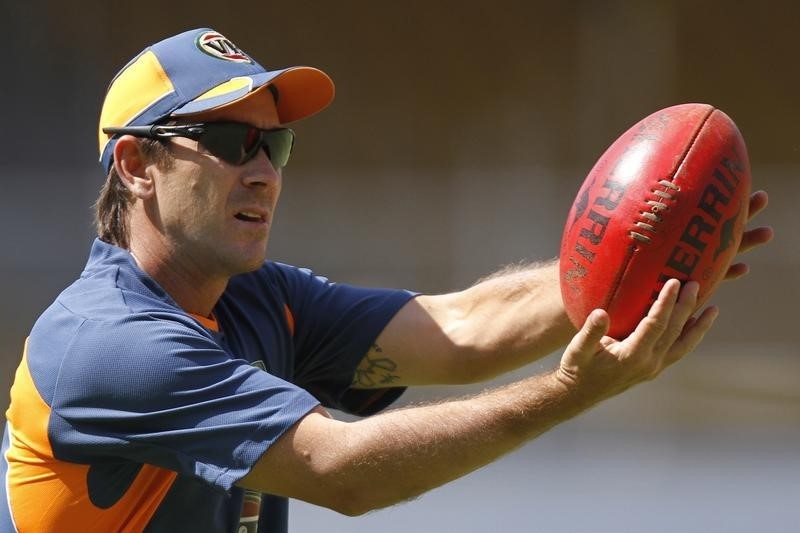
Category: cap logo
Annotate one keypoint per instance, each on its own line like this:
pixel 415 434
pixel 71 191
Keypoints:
pixel 216 45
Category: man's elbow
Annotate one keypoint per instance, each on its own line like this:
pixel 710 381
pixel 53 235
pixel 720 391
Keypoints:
pixel 354 490
pixel 360 501
pixel 351 503
pixel 326 463
pixel 351 493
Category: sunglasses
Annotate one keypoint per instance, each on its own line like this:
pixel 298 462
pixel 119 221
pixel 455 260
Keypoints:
pixel 234 142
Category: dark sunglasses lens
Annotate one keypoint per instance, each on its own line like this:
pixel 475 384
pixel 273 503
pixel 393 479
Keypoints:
pixel 239 143
pixel 278 145
pixel 228 141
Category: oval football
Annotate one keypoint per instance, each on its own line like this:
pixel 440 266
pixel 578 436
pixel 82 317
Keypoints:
pixel 668 199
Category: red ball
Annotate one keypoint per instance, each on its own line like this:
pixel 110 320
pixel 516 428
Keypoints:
pixel 668 199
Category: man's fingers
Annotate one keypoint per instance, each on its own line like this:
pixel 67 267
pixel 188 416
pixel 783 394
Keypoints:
pixel 755 237
pixel 681 313
pixel 587 340
pixel 758 201
pixel 692 334
pixel 652 327
pixel 752 238
pixel 736 271
pixel 584 345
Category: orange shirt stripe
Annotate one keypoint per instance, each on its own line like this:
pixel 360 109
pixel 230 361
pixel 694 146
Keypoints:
pixel 289 318
pixel 46 494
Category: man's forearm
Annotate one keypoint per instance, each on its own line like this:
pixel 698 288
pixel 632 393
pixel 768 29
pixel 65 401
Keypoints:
pixel 389 458
pixel 501 323
pixel 508 320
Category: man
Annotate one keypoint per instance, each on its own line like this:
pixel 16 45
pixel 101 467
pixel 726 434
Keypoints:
pixel 177 385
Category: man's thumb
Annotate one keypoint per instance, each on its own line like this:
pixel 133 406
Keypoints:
pixel 594 328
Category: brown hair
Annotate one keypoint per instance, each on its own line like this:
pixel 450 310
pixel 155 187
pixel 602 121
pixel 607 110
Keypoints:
pixel 112 208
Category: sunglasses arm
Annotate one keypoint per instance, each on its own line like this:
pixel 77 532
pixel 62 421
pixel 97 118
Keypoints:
pixel 157 131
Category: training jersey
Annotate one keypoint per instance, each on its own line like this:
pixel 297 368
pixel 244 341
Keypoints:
pixel 128 414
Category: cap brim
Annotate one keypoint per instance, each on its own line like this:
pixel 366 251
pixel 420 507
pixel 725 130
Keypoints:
pixel 302 92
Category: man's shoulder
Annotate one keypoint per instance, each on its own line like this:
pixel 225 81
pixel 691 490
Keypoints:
pixel 110 286
pixel 99 328
pixel 104 309
pixel 110 294
pixel 276 276
pixel 109 317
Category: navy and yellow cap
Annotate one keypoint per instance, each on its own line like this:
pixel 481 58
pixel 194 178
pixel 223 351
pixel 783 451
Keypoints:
pixel 196 71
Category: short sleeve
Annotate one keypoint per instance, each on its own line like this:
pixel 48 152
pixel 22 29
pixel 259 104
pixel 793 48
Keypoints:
pixel 161 391
pixel 334 327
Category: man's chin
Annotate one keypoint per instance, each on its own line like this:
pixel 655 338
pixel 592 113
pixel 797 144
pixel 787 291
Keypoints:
pixel 252 262
pixel 238 257
pixel 253 267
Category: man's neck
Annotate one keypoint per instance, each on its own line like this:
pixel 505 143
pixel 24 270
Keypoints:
pixel 189 284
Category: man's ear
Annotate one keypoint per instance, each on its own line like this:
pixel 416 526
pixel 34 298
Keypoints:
pixel 131 164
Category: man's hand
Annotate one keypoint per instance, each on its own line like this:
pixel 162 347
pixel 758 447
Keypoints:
pixel 754 237
pixel 599 366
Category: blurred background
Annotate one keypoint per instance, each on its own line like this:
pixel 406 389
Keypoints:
pixel 459 135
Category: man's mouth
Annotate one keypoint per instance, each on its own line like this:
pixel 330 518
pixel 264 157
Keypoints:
pixel 250 216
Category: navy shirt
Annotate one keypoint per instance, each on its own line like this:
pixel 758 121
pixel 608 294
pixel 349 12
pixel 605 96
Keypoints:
pixel 129 414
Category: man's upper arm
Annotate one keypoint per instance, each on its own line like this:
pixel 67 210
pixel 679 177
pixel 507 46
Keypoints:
pixel 415 347
pixel 501 323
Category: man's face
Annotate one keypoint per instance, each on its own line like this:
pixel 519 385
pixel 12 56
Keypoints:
pixel 212 214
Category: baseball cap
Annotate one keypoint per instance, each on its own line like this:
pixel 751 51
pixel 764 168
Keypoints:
pixel 196 71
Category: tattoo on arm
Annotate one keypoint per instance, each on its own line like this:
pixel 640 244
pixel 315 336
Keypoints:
pixel 375 370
